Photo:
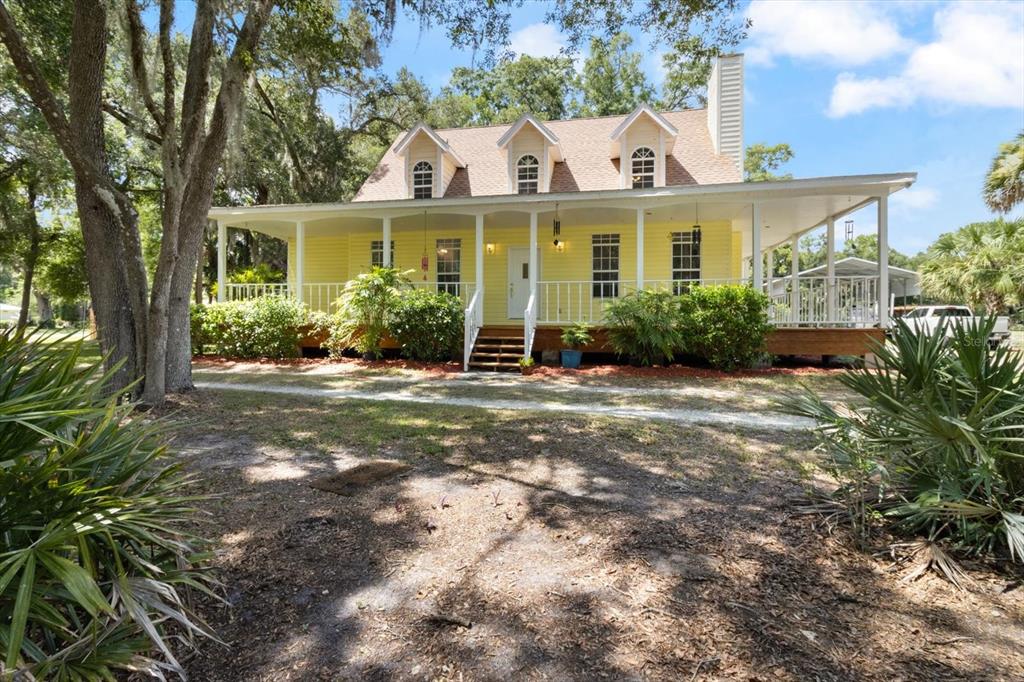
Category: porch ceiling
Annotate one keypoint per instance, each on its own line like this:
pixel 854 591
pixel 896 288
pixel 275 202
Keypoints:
pixel 788 208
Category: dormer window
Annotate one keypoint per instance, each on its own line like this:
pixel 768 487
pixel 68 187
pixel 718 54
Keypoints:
pixel 422 180
pixel 643 168
pixel 527 174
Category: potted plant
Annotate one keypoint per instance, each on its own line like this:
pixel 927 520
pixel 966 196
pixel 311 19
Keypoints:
pixel 527 366
pixel 575 337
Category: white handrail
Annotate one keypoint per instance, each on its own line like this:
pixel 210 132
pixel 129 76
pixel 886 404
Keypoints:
pixel 529 324
pixel 473 323
pixel 855 302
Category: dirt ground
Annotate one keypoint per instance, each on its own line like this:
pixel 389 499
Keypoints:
pixel 573 548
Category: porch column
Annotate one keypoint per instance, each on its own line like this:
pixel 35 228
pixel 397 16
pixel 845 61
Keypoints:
pixel 770 269
pixel 756 262
pixel 533 252
pixel 639 249
pixel 830 269
pixel 883 261
pixel 387 241
pixel 222 261
pixel 479 252
pixel 794 279
pixel 300 257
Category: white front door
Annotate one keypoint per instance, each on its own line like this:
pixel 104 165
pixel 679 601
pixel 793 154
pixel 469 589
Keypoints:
pixel 518 281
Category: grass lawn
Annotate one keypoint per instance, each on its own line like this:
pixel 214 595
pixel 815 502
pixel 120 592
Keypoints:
pixel 572 547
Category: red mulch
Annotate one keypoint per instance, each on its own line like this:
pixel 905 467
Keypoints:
pixel 353 363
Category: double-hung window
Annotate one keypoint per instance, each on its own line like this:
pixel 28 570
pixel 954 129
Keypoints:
pixel 377 253
pixel 527 174
pixel 605 249
pixel 422 180
pixel 449 265
pixel 685 261
pixel 643 167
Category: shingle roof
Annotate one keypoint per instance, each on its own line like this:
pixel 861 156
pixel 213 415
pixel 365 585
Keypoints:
pixel 587 165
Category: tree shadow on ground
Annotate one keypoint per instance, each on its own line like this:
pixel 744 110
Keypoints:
pixel 576 548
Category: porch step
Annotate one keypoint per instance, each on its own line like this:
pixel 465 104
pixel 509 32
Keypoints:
pixel 497 353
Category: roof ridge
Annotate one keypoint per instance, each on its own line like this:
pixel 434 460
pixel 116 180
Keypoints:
pixel 562 120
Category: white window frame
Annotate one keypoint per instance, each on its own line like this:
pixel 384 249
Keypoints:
pixel 423 180
pixel 527 182
pixel 644 175
pixel 686 261
pixel 449 253
pixel 605 264
pixel 377 253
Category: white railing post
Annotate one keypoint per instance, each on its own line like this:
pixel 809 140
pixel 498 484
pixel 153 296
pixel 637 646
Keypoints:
pixel 300 258
pixel 883 261
pixel 794 278
pixel 474 320
pixel 755 247
pixel 529 325
pixel 386 234
pixel 639 249
pixel 222 261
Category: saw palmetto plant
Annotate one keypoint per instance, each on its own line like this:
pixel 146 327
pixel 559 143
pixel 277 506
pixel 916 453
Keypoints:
pixel 97 559
pixel 937 449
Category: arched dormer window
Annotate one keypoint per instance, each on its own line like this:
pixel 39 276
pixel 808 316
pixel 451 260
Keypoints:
pixel 422 180
pixel 643 167
pixel 527 174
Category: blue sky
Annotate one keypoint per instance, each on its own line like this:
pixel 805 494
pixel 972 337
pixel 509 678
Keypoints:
pixel 854 87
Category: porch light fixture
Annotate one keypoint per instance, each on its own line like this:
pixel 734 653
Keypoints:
pixel 556 227
pixel 559 246
pixel 490 249
pixel 696 224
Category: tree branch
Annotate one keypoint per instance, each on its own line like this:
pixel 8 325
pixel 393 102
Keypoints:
pixel 136 42
pixel 131 122
pixel 289 145
pixel 197 83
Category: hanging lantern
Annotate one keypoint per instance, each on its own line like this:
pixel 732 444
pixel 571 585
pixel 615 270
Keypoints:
pixel 695 234
pixel 556 227
pixel 424 259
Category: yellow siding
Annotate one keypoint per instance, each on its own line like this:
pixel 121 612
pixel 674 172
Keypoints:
pixel 336 259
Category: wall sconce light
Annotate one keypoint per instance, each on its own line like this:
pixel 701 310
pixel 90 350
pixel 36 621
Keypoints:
pixel 490 249
pixel 559 245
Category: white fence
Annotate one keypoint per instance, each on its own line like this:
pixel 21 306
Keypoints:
pixel 322 295
pixel 847 302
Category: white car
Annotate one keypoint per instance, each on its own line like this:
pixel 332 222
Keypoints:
pixel 929 317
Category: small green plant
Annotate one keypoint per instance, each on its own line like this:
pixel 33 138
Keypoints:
pixel 526 361
pixel 97 560
pixel 258 274
pixel 725 325
pixel 938 448
pixel 265 327
pixel 364 310
pixel 645 327
pixel 577 336
pixel 428 325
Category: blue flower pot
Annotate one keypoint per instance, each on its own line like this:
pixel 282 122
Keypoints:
pixel 571 359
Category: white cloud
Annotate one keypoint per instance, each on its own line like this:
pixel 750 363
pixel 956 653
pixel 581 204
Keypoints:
pixel 914 199
pixel 976 58
pixel 537 40
pixel 842 32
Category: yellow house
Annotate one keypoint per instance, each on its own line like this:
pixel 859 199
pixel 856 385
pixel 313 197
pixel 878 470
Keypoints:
pixel 539 224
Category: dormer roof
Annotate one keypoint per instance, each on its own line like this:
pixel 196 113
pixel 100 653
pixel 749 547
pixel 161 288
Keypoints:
pixel 425 129
pixel 637 113
pixel 529 119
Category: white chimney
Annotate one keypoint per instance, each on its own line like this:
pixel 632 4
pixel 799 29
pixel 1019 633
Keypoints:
pixel 725 106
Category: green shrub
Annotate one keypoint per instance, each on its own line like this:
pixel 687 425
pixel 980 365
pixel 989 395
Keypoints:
pixel 266 327
pixel 96 560
pixel 259 274
pixel 725 325
pixel 939 446
pixel 644 326
pixel 364 307
pixel 577 336
pixel 197 320
pixel 427 324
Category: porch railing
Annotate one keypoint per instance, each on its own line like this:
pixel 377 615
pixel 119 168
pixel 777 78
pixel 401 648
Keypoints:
pixel 854 302
pixel 578 301
pixel 322 295
pixel 529 324
pixel 474 321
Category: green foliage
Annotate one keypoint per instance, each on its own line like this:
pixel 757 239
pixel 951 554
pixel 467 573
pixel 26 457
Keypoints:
pixel 96 560
pixel 687 69
pixel 938 448
pixel 725 325
pixel 265 327
pixel 361 321
pixel 1004 184
pixel 258 274
pixel 981 265
pixel 527 361
pixel 644 326
pixel 761 162
pixel 427 324
pixel 612 81
pixel 62 273
pixel 577 335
